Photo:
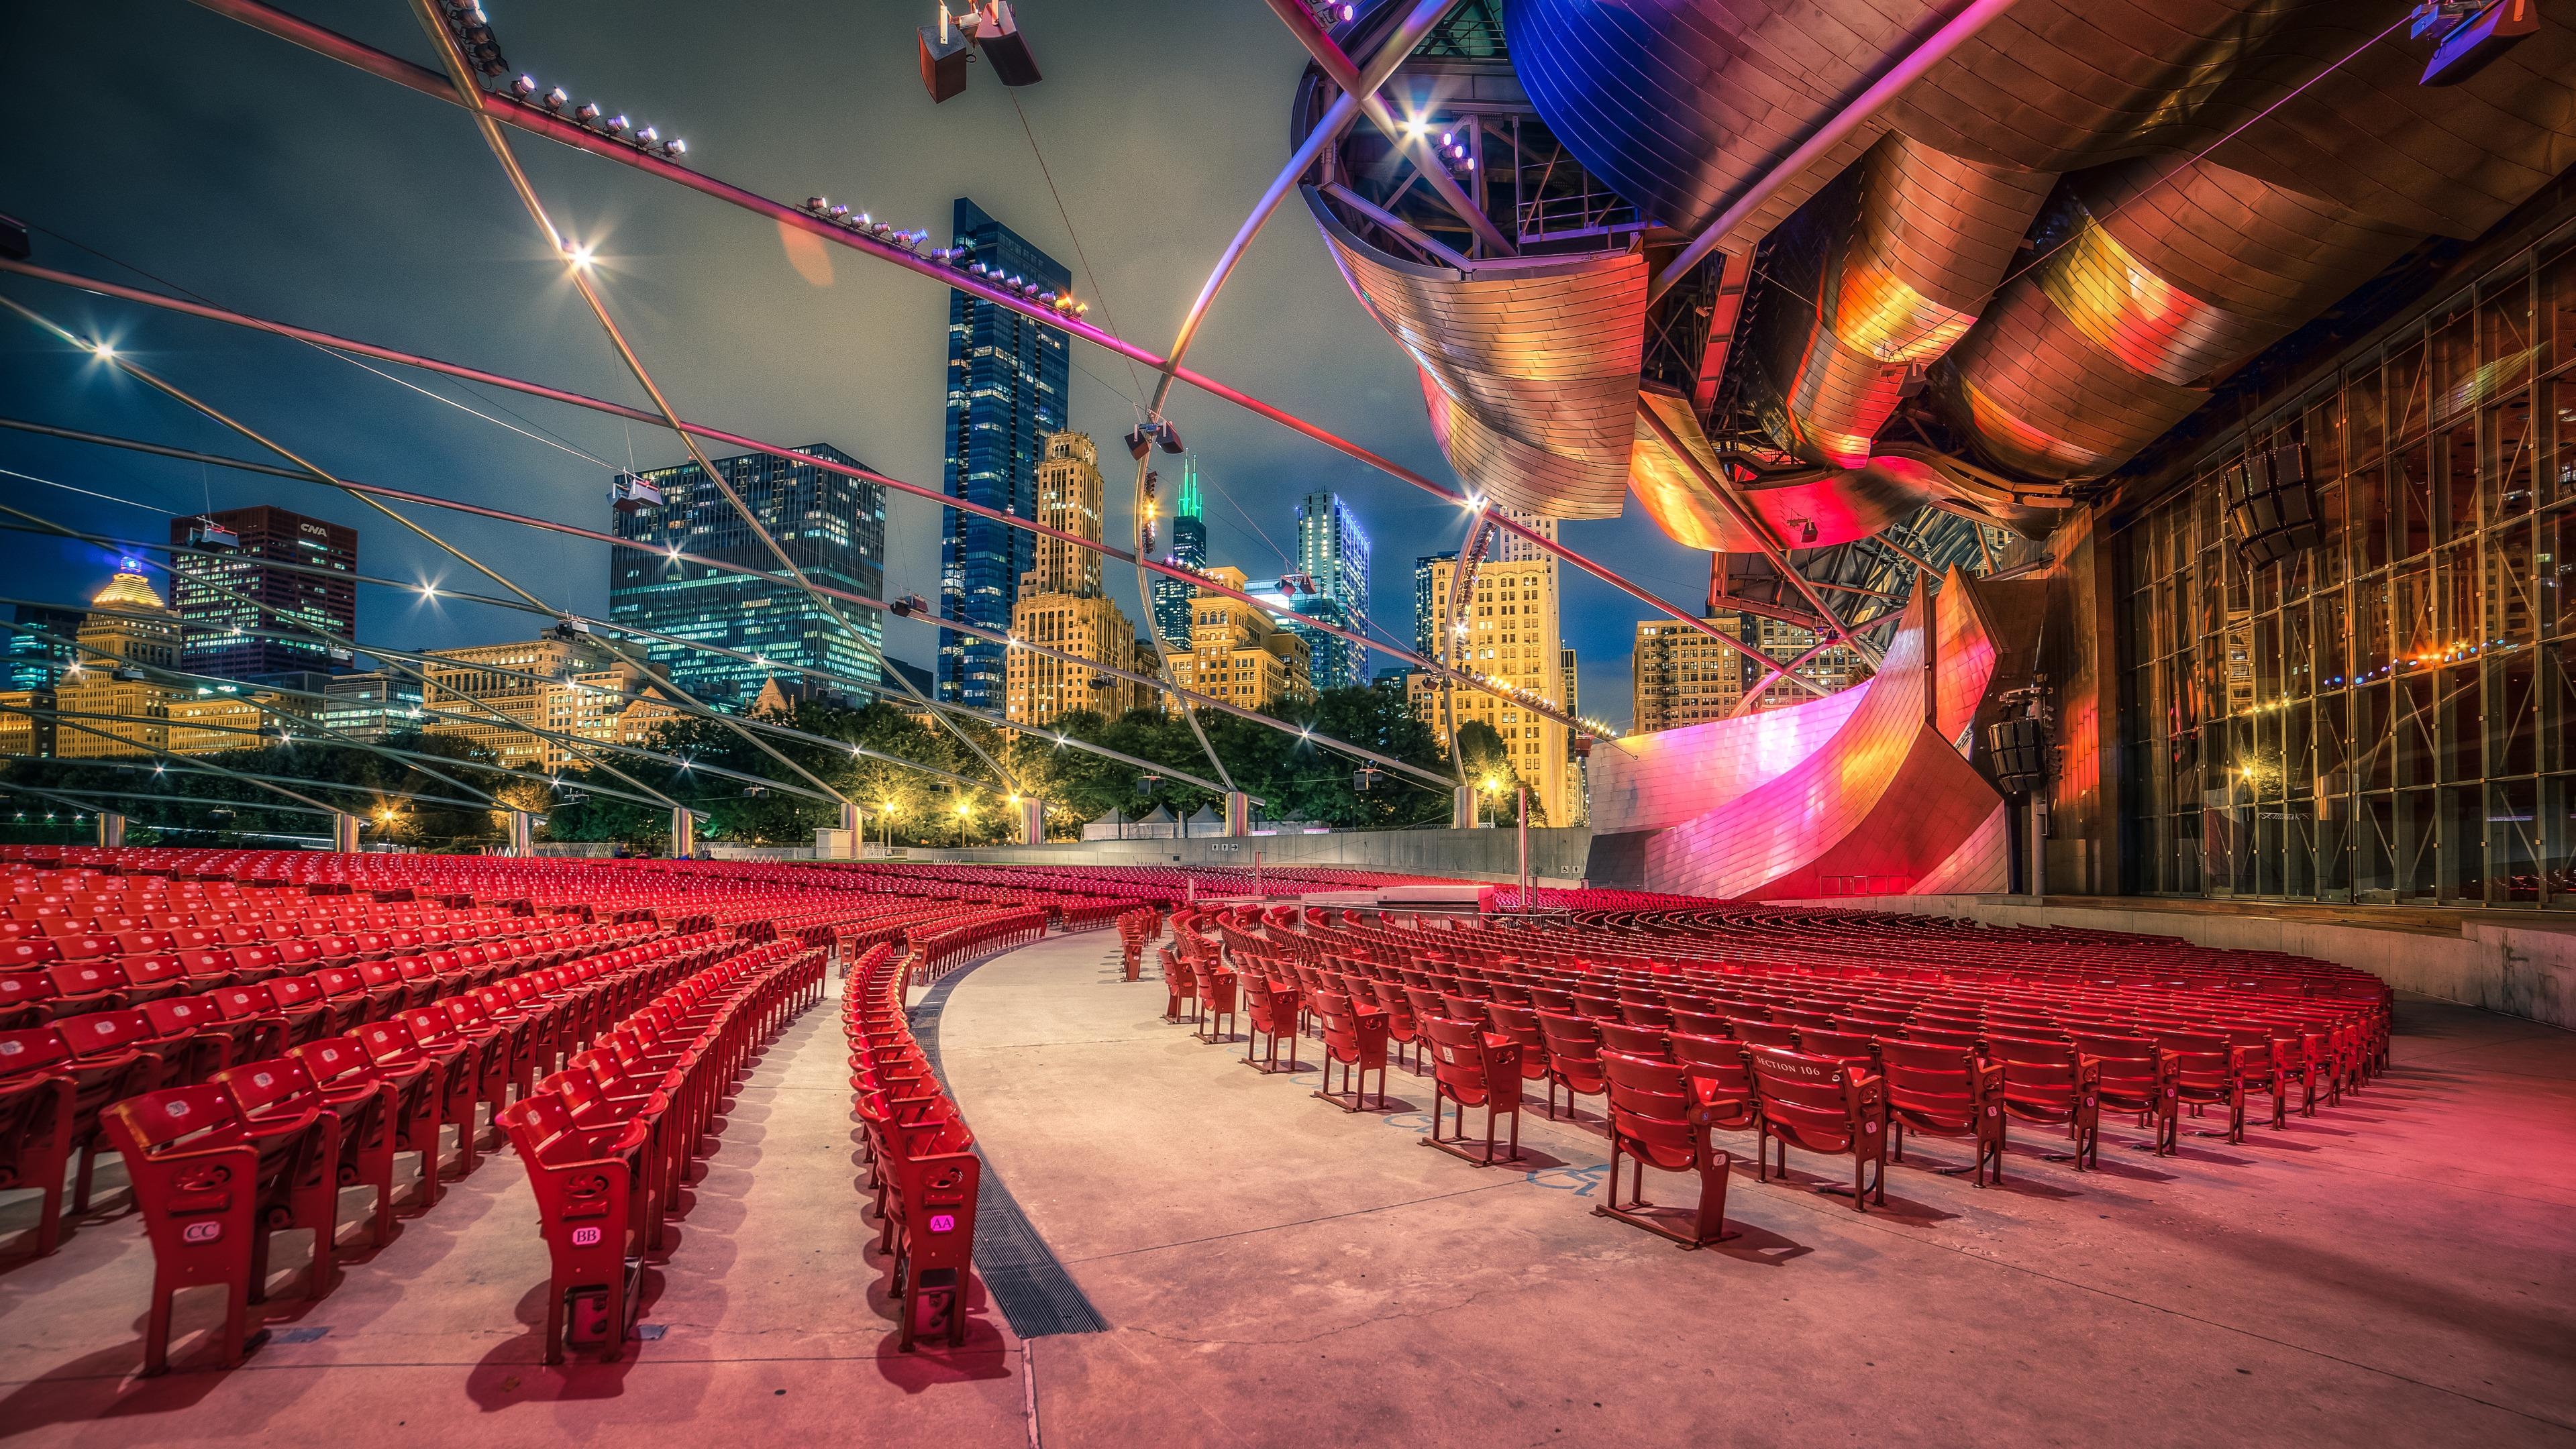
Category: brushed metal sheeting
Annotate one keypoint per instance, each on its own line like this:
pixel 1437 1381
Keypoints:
pixel 2192 269
pixel 1681 106
pixel 2063 85
pixel 1936 232
pixel 2446 159
pixel 1859 783
pixel 1844 505
pixel 1933 237
pixel 1529 370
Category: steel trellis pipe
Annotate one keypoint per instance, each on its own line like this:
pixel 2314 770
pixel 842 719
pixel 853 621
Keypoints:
pixel 580 400
pixel 468 90
pixel 539 121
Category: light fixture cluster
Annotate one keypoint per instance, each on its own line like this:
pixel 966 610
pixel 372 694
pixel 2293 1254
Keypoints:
pixel 472 30
pixel 958 256
pixel 1455 152
pixel 1062 302
pixel 910 241
pixel 590 117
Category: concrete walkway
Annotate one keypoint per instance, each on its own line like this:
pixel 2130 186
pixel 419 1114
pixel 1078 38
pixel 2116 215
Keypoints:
pixel 1274 1272
pixel 2400 1270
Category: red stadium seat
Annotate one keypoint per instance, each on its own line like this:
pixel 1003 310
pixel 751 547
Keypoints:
pixel 1661 1116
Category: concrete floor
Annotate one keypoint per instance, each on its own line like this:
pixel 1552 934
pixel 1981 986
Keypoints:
pixel 2400 1270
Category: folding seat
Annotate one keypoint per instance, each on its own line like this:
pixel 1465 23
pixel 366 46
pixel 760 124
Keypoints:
pixel 1804 1017
pixel 1644 1041
pixel 1773 1034
pixel 407 1101
pixel 1699 1021
pixel 391 1048
pixel 28 954
pixel 212 1186
pixel 344 992
pixel 1596 1006
pixel 1661 1116
pixel 1944 1092
pixel 2200 1070
pixel 1930 1036
pixel 1407 1006
pixel 106 1075
pixel 235 933
pixel 1824 1105
pixel 1473 1067
pixel 387 990
pixel 1573 1059
pixel 36 1119
pixel 258 1006
pixel 515 1031
pixel 1725 1071
pixel 283 1088
pixel 194 1039
pixel 423 982
pixel 1355 1036
pixel 2265 1062
pixel 1847 1046
pixel 1217 1003
pixel 2050 1084
pixel 1459 1006
pixel 2126 1076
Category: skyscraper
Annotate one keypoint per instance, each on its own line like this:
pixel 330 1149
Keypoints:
pixel 1007 378
pixel 30 662
pixel 1062 608
pixel 832 525
pixel 1333 550
pixel 1430 596
pixel 1189 550
pixel 229 602
pixel 1508 604
pixel 1331 660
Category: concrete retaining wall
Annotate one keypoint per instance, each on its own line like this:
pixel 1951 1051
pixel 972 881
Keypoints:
pixel 2515 970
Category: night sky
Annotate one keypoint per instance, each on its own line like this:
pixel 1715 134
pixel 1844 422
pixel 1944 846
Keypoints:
pixel 263 177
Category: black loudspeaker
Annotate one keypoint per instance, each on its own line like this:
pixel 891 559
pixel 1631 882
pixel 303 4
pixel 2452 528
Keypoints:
pixel 2019 751
pixel 943 62
pixel 2271 506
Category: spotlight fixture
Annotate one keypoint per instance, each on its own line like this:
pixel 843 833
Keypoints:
pixel 555 99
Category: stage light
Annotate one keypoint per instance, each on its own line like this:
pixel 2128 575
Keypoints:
pixel 524 86
pixel 618 123
pixel 580 255
pixel 555 99
pixel 648 136
pixel 675 147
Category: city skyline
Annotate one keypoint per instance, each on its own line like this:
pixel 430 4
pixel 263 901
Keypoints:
pixel 792 340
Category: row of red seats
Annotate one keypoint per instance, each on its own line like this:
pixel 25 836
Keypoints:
pixel 921 1158
pixel 219 1165
pixel 935 950
pixel 608 1140
pixel 96 1057
pixel 1675 1067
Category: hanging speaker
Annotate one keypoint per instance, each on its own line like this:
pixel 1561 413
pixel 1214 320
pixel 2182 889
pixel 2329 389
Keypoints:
pixel 943 61
pixel 2017 751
